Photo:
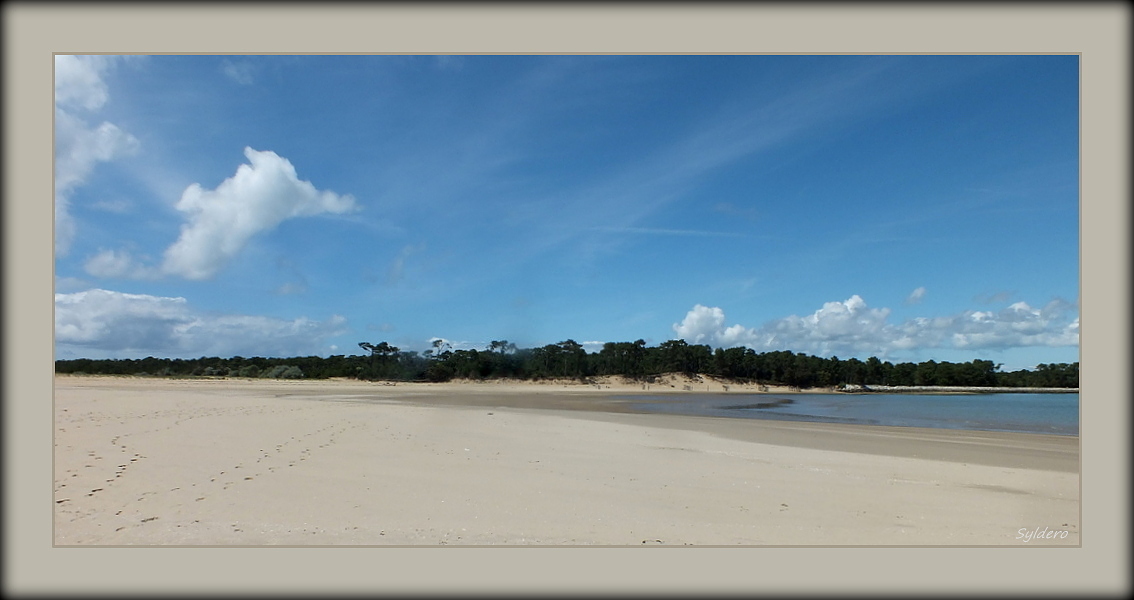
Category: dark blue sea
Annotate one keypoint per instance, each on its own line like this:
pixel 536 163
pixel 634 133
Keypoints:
pixel 1056 414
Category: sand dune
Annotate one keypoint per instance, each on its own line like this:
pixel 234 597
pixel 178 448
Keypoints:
pixel 230 462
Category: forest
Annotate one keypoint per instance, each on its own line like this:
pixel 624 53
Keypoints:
pixel 569 360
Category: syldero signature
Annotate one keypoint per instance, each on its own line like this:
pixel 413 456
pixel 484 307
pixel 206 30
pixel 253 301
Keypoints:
pixel 1040 534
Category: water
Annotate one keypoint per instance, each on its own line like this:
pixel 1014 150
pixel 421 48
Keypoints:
pixel 1056 414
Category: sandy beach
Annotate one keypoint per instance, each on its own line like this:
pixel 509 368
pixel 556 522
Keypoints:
pixel 252 462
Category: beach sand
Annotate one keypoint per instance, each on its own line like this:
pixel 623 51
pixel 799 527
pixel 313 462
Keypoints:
pixel 141 461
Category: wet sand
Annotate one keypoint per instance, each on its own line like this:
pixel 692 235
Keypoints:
pixel 249 462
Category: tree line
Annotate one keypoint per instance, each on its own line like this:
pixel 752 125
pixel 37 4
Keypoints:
pixel 569 360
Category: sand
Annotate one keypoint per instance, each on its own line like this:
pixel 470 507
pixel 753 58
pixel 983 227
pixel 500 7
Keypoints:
pixel 248 462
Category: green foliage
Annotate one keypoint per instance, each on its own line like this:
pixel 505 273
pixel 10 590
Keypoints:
pixel 283 372
pixel 568 359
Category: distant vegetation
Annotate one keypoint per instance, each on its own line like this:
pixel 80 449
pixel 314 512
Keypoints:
pixel 569 360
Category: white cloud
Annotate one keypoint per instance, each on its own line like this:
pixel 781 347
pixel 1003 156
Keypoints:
pixel 79 145
pixel 700 325
pixel 1017 325
pixel 440 345
pixel 853 328
pixel 916 296
pixel 78 81
pixel 104 323
pixel 256 199
pixel 592 346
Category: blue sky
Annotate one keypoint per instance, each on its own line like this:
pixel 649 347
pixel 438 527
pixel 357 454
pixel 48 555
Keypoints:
pixel 906 207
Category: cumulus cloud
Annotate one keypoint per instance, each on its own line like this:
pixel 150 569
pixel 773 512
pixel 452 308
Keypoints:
pixel 1017 325
pixel 80 145
pixel 100 322
pixel 916 296
pixel 702 324
pixel 852 327
pixel 257 198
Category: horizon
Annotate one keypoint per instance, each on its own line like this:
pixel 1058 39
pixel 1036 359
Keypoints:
pixel 906 207
pixel 432 354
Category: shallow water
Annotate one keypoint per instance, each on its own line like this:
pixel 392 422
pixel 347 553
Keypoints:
pixel 1056 414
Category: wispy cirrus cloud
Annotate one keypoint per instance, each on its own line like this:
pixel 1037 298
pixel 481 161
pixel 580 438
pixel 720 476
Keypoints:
pixel 397 271
pixel 238 71
pixel 650 181
pixel 663 231
pixel 118 264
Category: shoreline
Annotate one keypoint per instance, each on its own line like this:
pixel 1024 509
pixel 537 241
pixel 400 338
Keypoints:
pixel 1014 449
pixel 669 382
pixel 663 384
pixel 993 448
pixel 955 389
pixel 189 463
